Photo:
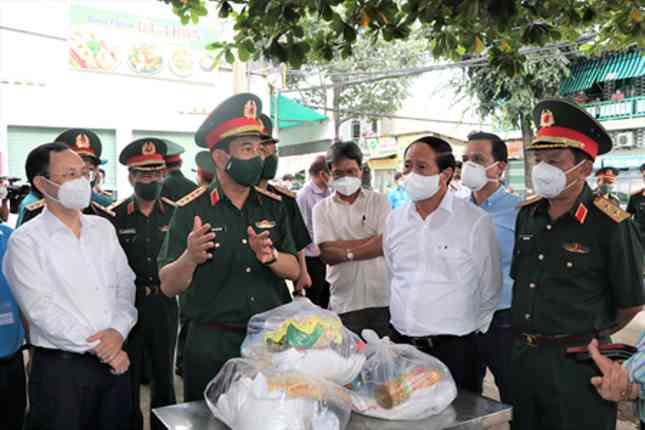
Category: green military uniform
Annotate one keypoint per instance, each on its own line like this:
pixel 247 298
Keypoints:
pixel 151 342
pixel 572 275
pixel 88 145
pixel 227 290
pixel 176 184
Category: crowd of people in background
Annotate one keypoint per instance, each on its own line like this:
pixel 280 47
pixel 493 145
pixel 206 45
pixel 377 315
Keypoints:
pixel 106 295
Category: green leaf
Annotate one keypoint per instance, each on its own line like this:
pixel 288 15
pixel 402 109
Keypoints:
pixel 185 19
pixel 228 55
pixel 243 54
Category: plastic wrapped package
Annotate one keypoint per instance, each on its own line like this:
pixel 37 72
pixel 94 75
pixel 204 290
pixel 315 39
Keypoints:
pixel 303 337
pixel 247 396
pixel 399 382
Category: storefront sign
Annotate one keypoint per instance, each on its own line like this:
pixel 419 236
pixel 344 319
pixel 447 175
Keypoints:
pixel 113 42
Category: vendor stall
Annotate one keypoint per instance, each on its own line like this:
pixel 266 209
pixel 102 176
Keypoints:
pixel 467 412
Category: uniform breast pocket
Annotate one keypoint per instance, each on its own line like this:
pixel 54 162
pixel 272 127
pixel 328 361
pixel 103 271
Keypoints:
pixel 127 237
pixel 524 245
pixel 577 258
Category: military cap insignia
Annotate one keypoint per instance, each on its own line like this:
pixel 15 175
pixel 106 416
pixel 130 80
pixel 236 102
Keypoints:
pixel 611 210
pixel 576 248
pixel 546 118
pixel 250 109
pixel 82 141
pixel 265 223
pixel 148 148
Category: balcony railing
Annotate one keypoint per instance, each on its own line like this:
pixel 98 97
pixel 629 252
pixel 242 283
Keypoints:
pixel 631 107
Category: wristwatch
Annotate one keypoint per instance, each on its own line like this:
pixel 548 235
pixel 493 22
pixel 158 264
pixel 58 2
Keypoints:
pixel 274 259
pixel 349 255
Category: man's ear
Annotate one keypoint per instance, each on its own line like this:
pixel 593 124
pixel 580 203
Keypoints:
pixel 39 184
pixel 587 168
pixel 220 158
pixel 447 175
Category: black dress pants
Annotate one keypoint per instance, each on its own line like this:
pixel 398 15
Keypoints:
pixel 69 391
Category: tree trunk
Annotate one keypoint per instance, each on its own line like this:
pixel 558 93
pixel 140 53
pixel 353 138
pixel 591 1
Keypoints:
pixel 529 158
pixel 335 102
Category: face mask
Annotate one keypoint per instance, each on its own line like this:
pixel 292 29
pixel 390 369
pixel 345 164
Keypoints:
pixel 473 175
pixel 347 185
pixel 74 194
pixel 270 167
pixel 421 187
pixel 549 181
pixel 606 188
pixel 244 172
pixel 148 191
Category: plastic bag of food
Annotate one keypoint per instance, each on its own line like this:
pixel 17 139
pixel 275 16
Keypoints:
pixel 247 396
pixel 399 382
pixel 306 338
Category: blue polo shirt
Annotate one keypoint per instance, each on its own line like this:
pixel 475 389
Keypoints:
pixel 12 333
pixel 397 197
pixel 502 208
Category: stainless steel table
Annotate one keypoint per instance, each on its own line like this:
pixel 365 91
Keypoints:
pixel 468 412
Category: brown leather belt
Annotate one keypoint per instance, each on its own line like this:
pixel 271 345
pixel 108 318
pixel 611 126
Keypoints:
pixel 230 328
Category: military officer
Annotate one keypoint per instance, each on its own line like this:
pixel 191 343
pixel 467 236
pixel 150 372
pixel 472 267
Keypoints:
pixel 297 224
pixel 176 184
pixel 636 206
pixel 141 222
pixel 577 270
pixel 88 145
pixel 229 245
pixel 205 175
pixel 606 182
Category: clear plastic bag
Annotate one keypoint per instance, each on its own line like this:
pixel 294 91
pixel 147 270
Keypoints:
pixel 399 382
pixel 303 337
pixel 247 396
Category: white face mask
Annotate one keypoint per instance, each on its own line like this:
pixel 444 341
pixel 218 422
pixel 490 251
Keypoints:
pixel 474 177
pixel 421 187
pixel 74 194
pixel 347 185
pixel 549 181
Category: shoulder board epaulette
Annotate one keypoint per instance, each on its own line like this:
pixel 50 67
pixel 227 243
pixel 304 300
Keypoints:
pixel 284 191
pixel 530 200
pixel 610 209
pixel 35 205
pixel 117 204
pixel 169 202
pixel 191 196
pixel 103 209
pixel 269 194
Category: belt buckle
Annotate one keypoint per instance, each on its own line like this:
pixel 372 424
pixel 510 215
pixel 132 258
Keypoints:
pixel 531 340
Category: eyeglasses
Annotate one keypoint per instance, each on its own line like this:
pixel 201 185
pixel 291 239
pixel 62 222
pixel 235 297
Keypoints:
pixel 72 174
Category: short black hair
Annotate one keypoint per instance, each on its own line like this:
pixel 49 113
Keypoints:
pixel 498 147
pixel 90 159
pixel 318 166
pixel 642 169
pixel 344 150
pixel 445 158
pixel 174 164
pixel 37 163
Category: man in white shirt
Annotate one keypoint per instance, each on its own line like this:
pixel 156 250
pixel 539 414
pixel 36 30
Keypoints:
pixel 444 263
pixel 73 283
pixel 348 228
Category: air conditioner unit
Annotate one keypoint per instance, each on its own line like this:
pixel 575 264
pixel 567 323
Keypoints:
pixel 624 140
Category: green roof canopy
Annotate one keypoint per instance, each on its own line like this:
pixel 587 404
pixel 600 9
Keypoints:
pixel 292 114
pixel 611 68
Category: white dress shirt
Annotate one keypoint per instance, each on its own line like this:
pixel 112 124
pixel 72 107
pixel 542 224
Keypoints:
pixel 70 288
pixel 354 285
pixel 446 277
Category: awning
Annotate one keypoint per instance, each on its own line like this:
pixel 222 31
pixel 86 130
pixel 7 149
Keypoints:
pixel 292 114
pixel 611 68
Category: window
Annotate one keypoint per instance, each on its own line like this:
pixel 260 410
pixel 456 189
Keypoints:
pixel 356 129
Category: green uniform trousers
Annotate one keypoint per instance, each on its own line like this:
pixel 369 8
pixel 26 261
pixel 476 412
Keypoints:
pixel 205 353
pixel 551 391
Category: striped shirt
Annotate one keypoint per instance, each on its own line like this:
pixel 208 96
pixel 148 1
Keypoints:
pixel 636 367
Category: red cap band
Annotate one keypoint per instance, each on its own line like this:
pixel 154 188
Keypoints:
pixel 587 144
pixel 232 127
